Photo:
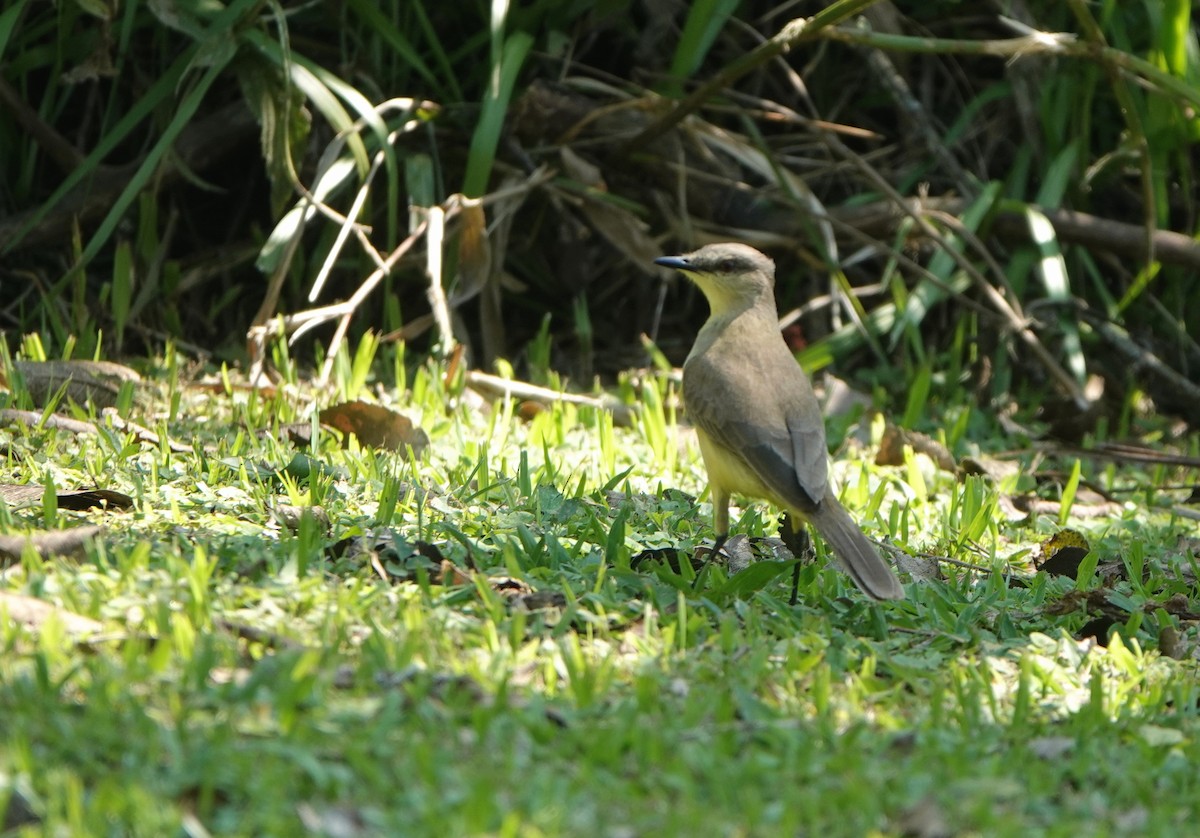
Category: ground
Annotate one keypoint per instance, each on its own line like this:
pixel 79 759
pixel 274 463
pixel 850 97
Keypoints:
pixel 502 637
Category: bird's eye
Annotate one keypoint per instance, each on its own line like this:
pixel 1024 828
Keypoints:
pixel 727 266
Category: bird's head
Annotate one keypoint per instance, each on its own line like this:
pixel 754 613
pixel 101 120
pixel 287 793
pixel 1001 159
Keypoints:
pixel 732 276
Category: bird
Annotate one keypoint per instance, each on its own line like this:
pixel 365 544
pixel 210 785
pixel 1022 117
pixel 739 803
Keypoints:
pixel 760 427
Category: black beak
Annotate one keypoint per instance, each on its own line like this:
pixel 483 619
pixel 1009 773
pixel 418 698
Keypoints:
pixel 679 263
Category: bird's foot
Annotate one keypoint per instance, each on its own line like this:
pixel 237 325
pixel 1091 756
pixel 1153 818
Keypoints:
pixel 796 538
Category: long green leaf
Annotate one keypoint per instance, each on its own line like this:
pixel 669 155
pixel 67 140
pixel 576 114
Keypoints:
pixel 319 85
pixel 445 65
pixel 943 266
pixel 705 21
pixel 8 22
pixel 751 579
pixel 1058 176
pixel 1052 270
pixel 218 59
pixel 382 25
pixel 158 93
pixel 491 118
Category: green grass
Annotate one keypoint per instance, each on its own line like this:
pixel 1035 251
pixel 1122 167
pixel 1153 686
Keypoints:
pixel 257 680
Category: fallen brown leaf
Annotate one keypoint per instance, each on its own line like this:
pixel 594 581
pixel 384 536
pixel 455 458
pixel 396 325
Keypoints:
pixel 891 448
pixel 86 382
pixel 25 494
pixel 376 426
pixel 34 613
pixel 51 543
pixel 1061 553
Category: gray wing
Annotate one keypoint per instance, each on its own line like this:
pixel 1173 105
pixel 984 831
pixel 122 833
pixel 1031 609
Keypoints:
pixel 775 427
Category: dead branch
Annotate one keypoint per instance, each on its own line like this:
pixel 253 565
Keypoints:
pixel 1090 231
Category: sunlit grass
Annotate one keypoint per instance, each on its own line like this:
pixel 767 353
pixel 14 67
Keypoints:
pixel 257 677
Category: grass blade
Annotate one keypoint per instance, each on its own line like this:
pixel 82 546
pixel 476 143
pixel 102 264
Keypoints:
pixel 507 57
pixel 706 19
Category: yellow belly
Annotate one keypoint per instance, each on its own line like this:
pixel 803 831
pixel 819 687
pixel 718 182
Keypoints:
pixel 728 471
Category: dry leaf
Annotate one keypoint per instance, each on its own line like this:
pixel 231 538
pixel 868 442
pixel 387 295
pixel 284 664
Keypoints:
pixel 1170 643
pixel 1061 553
pixel 891 448
pixel 52 543
pixel 629 235
pixel 376 426
pixel 34 613
pixel 25 494
pixel 94 382
pixel 920 568
pixel 737 548
pixel 984 466
pixel 474 253
pixel 289 516
pixel 577 168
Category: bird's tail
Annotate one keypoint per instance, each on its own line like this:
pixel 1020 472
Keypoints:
pixel 858 555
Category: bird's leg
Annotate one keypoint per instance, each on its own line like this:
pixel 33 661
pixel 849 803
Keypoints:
pixel 803 538
pixel 720 500
pixel 795 536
